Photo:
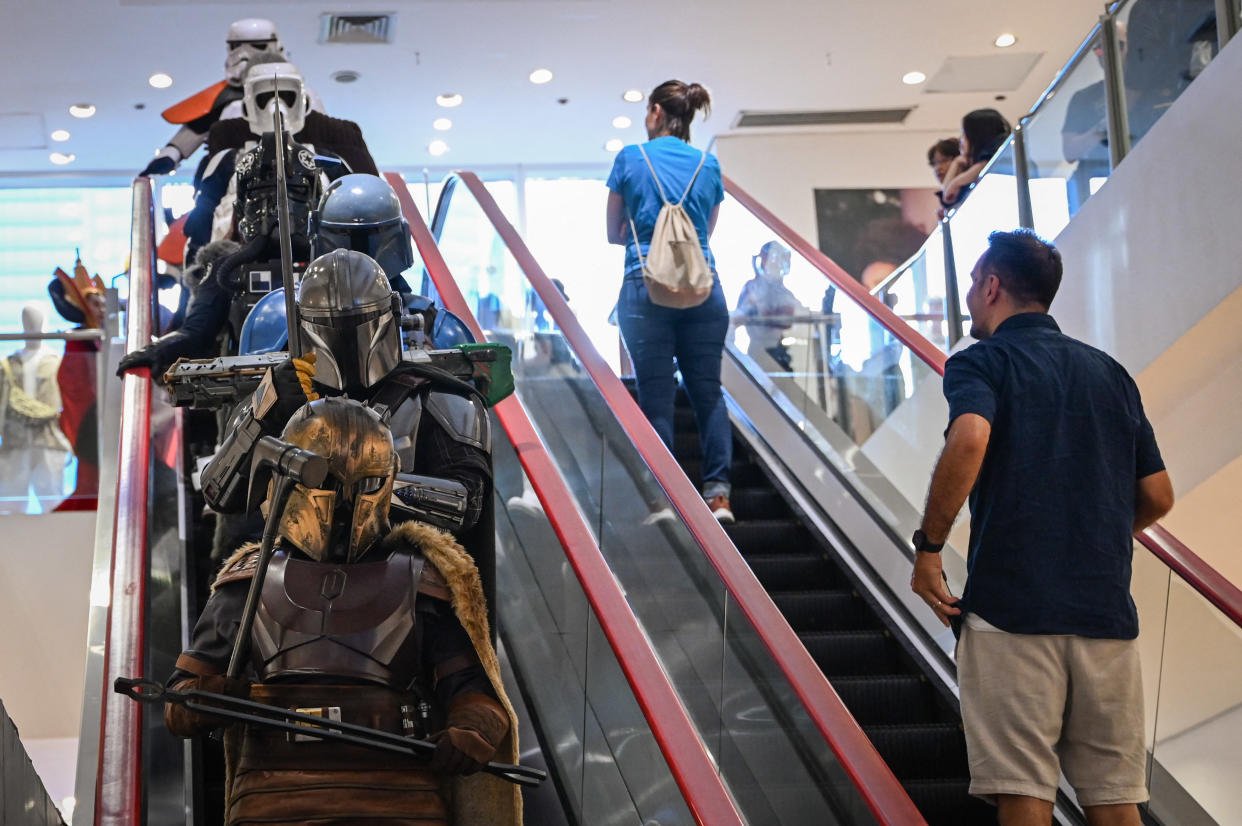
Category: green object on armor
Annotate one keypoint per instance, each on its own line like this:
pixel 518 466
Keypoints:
pixel 493 370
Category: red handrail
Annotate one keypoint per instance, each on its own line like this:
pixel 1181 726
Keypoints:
pixel 688 759
pixel 871 775
pixel 1186 564
pixel 118 787
pixel 1205 579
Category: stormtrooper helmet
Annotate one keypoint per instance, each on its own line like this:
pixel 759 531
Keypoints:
pixel 246 39
pixel 268 86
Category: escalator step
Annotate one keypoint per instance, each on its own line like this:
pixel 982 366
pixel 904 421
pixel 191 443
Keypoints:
pixel 742 472
pixel 758 503
pixel 824 610
pixel 925 751
pixel 792 572
pixel 853 653
pixel 948 803
pixel 770 536
pixel 887 700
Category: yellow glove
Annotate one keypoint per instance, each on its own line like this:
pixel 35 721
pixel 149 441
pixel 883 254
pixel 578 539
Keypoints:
pixel 305 367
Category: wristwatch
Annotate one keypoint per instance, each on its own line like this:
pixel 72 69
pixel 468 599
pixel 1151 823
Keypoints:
pixel 922 544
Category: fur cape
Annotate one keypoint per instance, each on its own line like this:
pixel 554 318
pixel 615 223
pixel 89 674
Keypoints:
pixel 478 799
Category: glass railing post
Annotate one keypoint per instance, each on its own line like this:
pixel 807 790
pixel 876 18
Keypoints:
pixel 1022 177
pixel 1227 21
pixel 952 301
pixel 1115 92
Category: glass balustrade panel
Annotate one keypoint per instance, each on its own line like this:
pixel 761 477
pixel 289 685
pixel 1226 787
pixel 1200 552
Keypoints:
pixel 1067 144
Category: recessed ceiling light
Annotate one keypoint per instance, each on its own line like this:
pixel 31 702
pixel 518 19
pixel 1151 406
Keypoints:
pixel 1004 41
pixel 159 80
pixel 442 124
pixel 614 144
pixel 345 76
pixel 621 122
pixel 913 78
pixel 541 76
pixel 61 158
pixel 60 135
pixel 81 110
pixel 437 148
pixel 633 96
pixel 449 101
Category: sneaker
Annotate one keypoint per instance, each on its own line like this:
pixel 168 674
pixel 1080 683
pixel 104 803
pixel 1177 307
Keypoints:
pixel 719 505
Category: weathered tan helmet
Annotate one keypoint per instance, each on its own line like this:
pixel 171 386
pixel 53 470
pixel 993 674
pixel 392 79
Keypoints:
pixel 345 518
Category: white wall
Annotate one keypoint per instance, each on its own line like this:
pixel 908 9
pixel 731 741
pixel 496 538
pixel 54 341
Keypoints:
pixel 783 170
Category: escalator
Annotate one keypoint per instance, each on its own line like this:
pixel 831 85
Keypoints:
pixel 833 449
pixel 914 727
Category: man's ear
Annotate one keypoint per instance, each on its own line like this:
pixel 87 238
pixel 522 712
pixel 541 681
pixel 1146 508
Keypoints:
pixel 991 287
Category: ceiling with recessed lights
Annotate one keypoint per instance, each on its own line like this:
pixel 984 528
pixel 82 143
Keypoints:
pixel 538 82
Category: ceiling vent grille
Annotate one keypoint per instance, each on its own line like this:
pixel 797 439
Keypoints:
pixel 843 117
pixel 356 28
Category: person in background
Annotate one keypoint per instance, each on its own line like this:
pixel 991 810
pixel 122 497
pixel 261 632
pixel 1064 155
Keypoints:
pixel 657 336
pixel 983 133
pixel 1084 135
pixel 1048 438
pixel 941 155
pixel 766 306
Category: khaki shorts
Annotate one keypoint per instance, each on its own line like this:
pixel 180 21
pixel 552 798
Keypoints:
pixel 1033 705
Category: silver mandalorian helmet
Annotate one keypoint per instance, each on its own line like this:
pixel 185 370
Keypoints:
pixel 247 38
pixel 342 520
pixel 348 315
pixel 271 85
pixel 361 213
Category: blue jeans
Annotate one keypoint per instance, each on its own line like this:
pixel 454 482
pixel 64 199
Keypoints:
pixel 695 337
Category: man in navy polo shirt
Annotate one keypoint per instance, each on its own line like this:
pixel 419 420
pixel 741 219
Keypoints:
pixel 1048 437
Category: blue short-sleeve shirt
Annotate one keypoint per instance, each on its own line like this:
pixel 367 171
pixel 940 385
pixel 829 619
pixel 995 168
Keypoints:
pixel 1052 510
pixel 674 161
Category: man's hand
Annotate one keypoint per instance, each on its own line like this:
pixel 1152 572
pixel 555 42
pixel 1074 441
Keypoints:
pixel 928 582
pixel 292 380
pixel 476 726
pixel 185 723
pixel 161 165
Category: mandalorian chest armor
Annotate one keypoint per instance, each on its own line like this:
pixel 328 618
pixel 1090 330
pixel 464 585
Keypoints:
pixel 325 622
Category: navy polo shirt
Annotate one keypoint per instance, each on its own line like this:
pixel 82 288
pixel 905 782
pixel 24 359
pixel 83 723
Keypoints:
pixel 674 161
pixel 1053 507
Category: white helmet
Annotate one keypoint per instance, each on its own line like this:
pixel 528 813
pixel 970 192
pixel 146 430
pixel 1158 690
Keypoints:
pixel 246 39
pixel 269 85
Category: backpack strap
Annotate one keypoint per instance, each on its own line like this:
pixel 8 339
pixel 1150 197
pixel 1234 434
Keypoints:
pixel 638 248
pixel 659 186
pixel 690 185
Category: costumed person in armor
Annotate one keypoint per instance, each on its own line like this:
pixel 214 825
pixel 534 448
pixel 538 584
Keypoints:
pixel 80 300
pixel 224 291
pixel 348 320
pixel 248 40
pixel 377 626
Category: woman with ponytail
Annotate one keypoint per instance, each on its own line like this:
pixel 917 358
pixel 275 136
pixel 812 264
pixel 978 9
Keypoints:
pixel 655 335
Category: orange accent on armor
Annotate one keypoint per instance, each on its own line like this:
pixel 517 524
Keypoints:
pixel 195 106
pixel 172 249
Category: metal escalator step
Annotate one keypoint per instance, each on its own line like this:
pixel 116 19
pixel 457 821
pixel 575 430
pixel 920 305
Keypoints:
pixel 923 751
pixel 948 803
pixel 758 503
pixel 892 699
pixel 796 571
pixel 824 610
pixel 769 536
pixel 853 653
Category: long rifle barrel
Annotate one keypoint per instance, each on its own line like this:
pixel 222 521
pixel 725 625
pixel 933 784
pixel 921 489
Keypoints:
pixel 286 240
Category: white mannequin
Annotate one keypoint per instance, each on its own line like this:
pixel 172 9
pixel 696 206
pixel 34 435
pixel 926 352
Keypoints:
pixel 33 451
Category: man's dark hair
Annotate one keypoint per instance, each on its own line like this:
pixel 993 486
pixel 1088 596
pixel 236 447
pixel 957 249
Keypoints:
pixel 1029 268
pixel 947 148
